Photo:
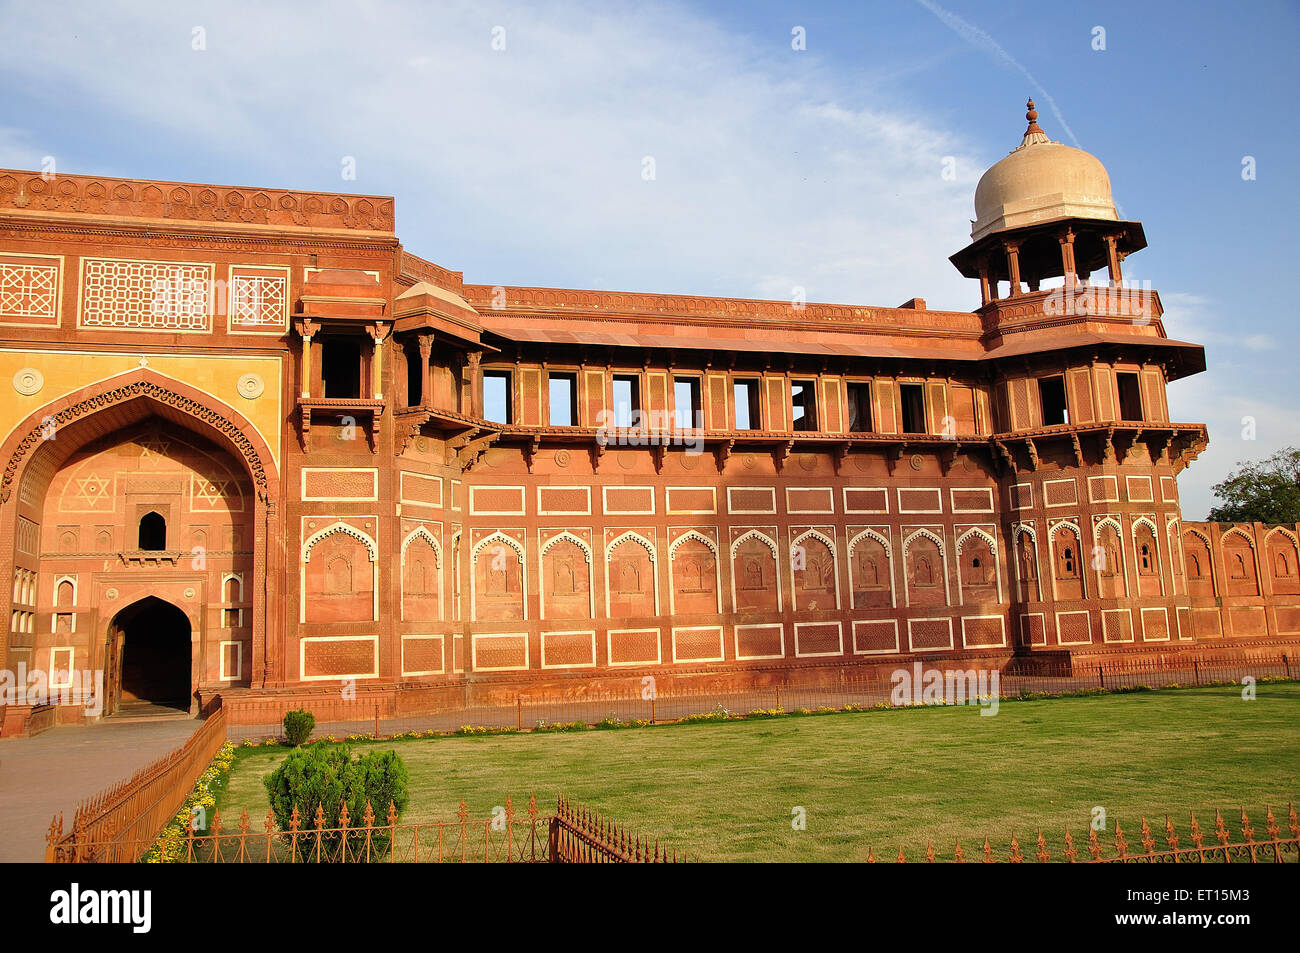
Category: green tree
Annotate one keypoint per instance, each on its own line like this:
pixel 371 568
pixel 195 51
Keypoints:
pixel 1267 491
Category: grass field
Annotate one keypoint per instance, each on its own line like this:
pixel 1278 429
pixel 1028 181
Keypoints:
pixel 725 791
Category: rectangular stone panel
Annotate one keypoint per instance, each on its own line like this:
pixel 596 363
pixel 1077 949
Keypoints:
pixel 422 655
pixel 1247 620
pixel 340 484
pixel 629 500
pixel 875 637
pixel 1207 623
pixel 983 631
pixel 569 649
pixel 1060 493
pixel 1155 625
pixel 1103 489
pixel 561 500
pixel 337 657
pixel 496 500
pixel 760 641
pixel 1116 625
pixel 1073 628
pixel 691 499
pixel 873 499
pixel 633 646
pixel 145 295
pixel 929 635
pixel 697 644
pixel 420 489
pixel 1139 489
pixel 972 499
pixel 1033 629
pixel 30 290
pixel 920 500
pixel 813 499
pixel 751 499
pixel 817 638
pixel 500 653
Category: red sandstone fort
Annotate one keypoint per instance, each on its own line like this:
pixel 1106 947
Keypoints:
pixel 256 449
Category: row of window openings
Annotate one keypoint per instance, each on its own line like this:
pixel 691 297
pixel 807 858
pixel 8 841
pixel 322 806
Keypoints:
pixel 687 413
pixel 1052 401
pixel 341 377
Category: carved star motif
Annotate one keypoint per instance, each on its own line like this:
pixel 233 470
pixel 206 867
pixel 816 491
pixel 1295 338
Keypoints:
pixel 92 490
pixel 212 492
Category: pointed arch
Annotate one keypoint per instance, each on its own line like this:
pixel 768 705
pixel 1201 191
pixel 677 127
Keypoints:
pixel 763 538
pixel 829 543
pixel 908 567
pixel 566 536
pixel 630 536
pixel 585 549
pixel 928 534
pixel 511 543
pixel 751 585
pixel 422 532
pixel 982 534
pixel 338 526
pixel 691 534
pixel 870 533
pixel 989 540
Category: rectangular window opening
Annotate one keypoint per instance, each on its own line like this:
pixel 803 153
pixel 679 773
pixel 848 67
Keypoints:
pixel 340 366
pixel 1051 396
pixel 859 393
pixel 913 399
pixel 686 403
pixel 1130 396
pixel 627 399
pixel 563 389
pixel 496 396
pixel 747 406
pixel 803 405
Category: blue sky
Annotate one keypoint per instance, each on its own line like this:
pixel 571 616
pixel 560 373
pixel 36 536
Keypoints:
pixel 774 168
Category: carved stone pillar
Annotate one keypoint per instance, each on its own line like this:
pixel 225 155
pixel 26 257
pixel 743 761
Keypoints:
pixel 1114 258
pixel 378 332
pixel 1013 267
pixel 425 342
pixel 306 330
pixel 475 367
pixel 1067 258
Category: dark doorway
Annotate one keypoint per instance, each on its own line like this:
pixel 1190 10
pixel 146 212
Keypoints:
pixel 153 637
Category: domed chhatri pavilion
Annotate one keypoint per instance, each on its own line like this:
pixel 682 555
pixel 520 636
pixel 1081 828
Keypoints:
pixel 256 449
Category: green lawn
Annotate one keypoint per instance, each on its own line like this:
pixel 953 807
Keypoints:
pixel 725 791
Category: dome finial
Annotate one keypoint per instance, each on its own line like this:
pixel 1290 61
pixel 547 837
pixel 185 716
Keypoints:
pixel 1034 133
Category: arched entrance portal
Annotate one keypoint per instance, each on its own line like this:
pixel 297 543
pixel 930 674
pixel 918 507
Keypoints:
pixel 150 658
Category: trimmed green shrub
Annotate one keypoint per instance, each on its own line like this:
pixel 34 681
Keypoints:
pixel 328 776
pixel 298 726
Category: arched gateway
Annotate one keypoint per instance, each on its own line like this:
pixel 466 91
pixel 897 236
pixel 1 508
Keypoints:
pixel 132 506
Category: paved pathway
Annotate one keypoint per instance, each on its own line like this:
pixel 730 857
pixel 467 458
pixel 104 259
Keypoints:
pixel 51 772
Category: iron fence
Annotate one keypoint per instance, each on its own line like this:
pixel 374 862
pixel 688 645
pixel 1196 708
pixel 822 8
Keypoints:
pixel 120 822
pixel 1221 847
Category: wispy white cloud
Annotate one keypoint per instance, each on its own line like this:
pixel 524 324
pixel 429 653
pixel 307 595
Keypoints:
pixel 981 40
pixel 525 165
